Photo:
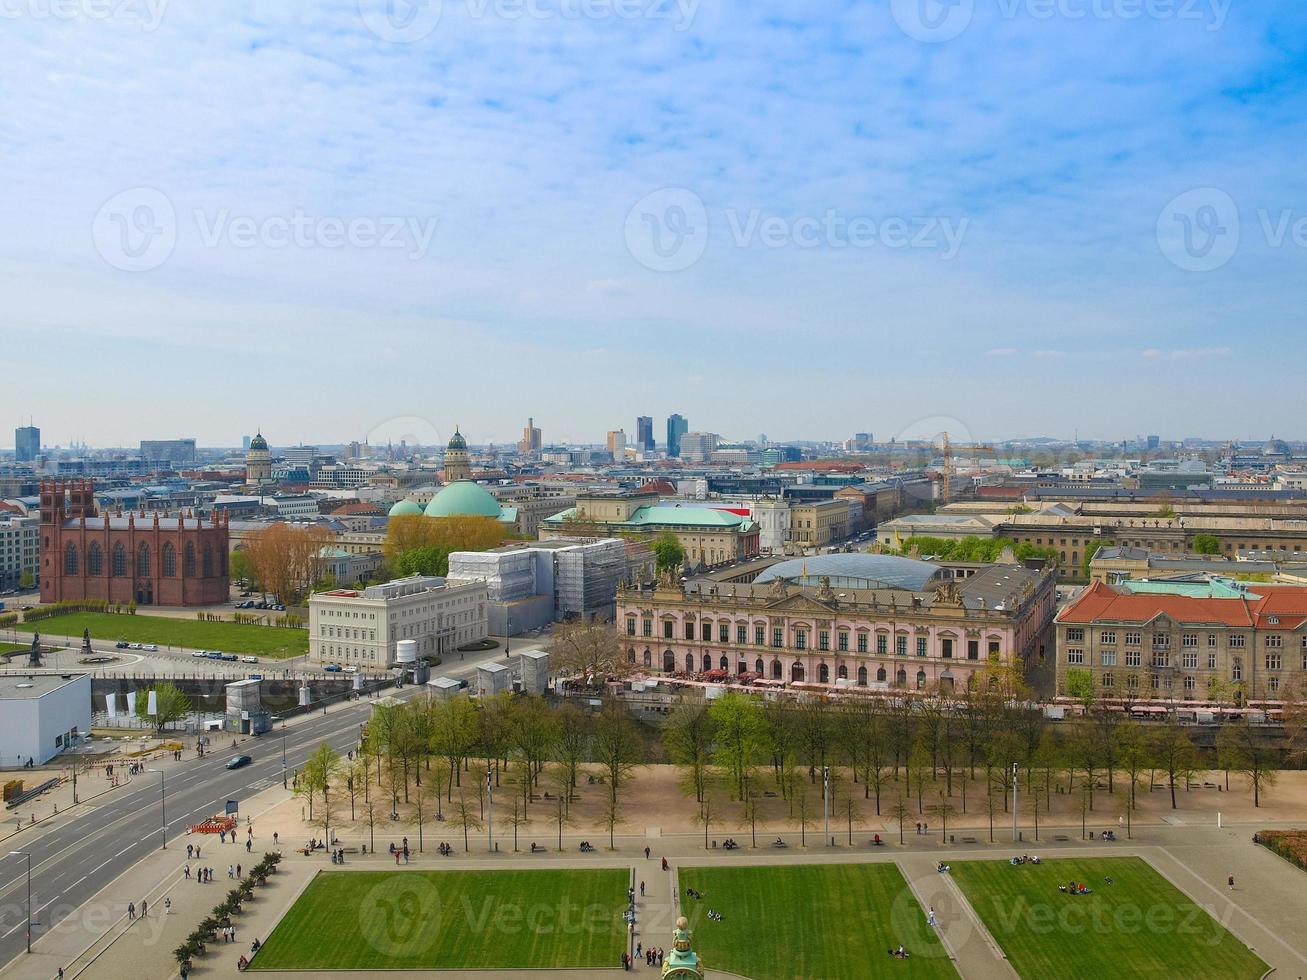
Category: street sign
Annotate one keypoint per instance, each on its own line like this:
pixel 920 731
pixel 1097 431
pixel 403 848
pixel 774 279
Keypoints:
pixel 233 807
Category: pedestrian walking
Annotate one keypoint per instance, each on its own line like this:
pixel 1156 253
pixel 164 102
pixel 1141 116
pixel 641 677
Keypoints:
pixel 646 854
pixel 249 847
pixel 642 889
pixel 131 911
pixel 274 837
pixel 238 871
pixel 930 917
pixel 144 907
pixel 167 906
pixel 186 871
pixel 1231 882
pixel 190 849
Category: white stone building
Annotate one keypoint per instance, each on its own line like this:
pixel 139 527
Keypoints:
pixel 361 627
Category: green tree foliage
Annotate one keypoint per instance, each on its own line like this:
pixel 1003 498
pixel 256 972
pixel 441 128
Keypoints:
pixel 171 705
pixel 741 739
pixel 974 549
pixel 1207 544
pixel 668 552
pixel 428 559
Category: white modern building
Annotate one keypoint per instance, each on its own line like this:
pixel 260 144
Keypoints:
pixel 41 714
pixel 20 540
pixel 361 627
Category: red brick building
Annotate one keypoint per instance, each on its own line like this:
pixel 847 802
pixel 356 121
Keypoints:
pixel 161 561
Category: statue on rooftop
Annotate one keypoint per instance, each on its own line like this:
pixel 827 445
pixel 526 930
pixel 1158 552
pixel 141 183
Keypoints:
pixel 682 963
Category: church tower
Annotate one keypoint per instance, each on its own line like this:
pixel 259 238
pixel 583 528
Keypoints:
pixel 258 462
pixel 458 465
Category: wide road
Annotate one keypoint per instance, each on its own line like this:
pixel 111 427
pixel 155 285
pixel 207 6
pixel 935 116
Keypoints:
pixel 73 861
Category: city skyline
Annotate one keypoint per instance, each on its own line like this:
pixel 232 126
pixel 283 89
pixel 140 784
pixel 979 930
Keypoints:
pixel 1014 217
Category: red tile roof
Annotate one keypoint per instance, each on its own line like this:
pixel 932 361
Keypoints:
pixel 1103 603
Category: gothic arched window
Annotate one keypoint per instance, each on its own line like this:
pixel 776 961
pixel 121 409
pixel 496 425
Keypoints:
pixel 94 559
pixel 118 563
pixel 169 560
pixel 70 559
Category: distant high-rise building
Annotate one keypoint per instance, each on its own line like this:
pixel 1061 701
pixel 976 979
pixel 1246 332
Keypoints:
pixel 27 443
pixel 245 442
pixel 258 461
pixel 1154 442
pixel 677 426
pixel 644 438
pixel 165 451
pixel 617 444
pixel 698 447
pixel 860 443
pixel 530 442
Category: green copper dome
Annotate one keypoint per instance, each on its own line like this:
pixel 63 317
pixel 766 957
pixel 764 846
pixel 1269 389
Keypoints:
pixel 258 442
pixel 456 441
pixel 405 508
pixel 463 499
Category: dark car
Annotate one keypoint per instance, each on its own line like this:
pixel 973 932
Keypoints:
pixel 229 656
pixel 238 761
pixel 122 644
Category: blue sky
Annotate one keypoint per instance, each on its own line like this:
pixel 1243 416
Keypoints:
pixel 337 220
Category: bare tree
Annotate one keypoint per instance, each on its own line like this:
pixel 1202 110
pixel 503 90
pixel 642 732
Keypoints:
pixel 618 749
pixel 464 818
pixel 689 738
pixel 589 649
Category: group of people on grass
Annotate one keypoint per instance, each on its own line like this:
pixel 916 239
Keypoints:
pixel 1024 859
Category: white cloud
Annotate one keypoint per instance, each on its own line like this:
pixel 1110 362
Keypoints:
pixel 1001 352
pixel 1187 354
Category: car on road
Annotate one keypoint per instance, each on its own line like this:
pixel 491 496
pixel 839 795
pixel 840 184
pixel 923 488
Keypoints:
pixel 351 669
pixel 150 646
pixel 237 761
pixel 332 668
pixel 230 657
pixel 254 677
pixel 214 654
pixel 122 644
pixel 249 660
pixel 202 654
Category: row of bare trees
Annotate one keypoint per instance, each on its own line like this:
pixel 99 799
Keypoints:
pixel 449 759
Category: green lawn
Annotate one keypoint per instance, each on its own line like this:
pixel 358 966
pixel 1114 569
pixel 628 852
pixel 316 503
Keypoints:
pixel 266 641
pixel 819 922
pixel 452 920
pixel 14 648
pixel 1138 926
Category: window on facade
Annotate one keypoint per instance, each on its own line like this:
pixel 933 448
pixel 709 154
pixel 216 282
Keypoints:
pixel 801 639
pixel 723 633
pixel 921 646
pixel 1108 658
pixel 1189 660
pixel 973 649
pixel 1273 684
pixel 1161 658
pixel 646 627
pixel 630 655
pixel 777 636
pixel 669 629
pixel 823 639
pixel 689 631
pixel 706 632
pixel 741 634
pixel 1132 680
pixel 823 674
pixel 1107 637
pixel 188 561
pixel 689 663
pixel 758 666
pixel 724 664
pixel 1236 669
pixel 1075 655
pixel 901 645
pixel 862 643
pixel 921 679
pixel 1237 641
pixel 880 675
pixel 882 644
pixel 759 635
pixel 862 676
pixel 118 562
pixel 842 641
pixel 70 559
pixel 208 560
pixel 143 561
pixel 776 670
pixel 1211 661
pixel 1161 641
pixel 1075 635
pixel 1211 639
pixel 1190 684
pixel 946 649
pixel 1274 641
pixel 1133 658
pixel 1189 640
pixel 1272 661
pixel 707 662
pixel 1108 680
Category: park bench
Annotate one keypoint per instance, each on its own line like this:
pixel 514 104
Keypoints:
pixel 968 840
pixel 1062 837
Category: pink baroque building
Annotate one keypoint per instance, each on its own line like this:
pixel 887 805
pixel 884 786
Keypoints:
pixel 845 620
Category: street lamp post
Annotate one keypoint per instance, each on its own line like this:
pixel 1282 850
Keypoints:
pixel 825 800
pixel 28 855
pixel 490 810
pixel 163 810
pixel 283 759
pixel 76 759
pixel 1016 774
